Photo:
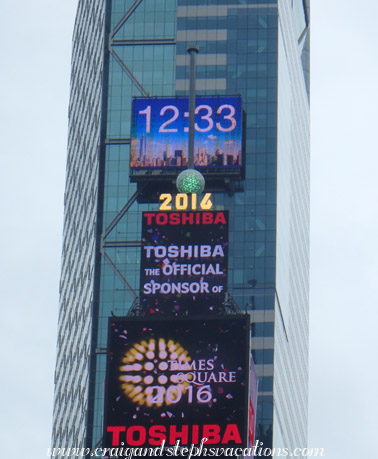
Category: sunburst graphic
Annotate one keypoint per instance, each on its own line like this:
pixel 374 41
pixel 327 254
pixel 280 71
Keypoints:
pixel 151 372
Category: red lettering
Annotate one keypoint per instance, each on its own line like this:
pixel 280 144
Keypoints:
pixel 157 434
pixel 195 436
pixel 231 434
pixel 149 216
pixel 115 430
pixel 174 218
pixel 207 218
pixel 219 218
pixel 188 218
pixel 185 218
pixel 211 431
pixel 161 218
pixel 141 435
pixel 175 435
pixel 251 423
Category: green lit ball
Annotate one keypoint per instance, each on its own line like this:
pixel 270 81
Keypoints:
pixel 190 181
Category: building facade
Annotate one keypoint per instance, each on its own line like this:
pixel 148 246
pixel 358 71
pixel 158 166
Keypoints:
pixel 258 49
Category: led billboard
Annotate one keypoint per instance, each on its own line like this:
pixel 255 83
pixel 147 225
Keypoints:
pixel 252 408
pixel 159 134
pixel 177 380
pixel 183 262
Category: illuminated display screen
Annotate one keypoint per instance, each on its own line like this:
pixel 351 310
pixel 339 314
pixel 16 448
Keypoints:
pixel 183 262
pixel 159 133
pixel 178 379
pixel 252 406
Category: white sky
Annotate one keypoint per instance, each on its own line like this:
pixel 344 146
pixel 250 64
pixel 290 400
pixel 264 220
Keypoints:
pixel 35 40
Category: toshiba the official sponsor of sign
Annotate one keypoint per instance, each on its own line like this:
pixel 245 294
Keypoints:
pixel 179 379
pixel 183 262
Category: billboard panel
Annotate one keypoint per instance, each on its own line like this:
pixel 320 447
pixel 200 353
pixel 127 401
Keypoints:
pixel 178 379
pixel 183 262
pixel 252 407
pixel 159 134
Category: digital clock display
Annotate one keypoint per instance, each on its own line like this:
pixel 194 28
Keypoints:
pixel 160 127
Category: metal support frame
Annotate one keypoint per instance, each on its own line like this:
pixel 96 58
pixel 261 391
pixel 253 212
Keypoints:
pixel 121 213
pixel 229 305
pixel 136 309
pixel 106 233
pixel 125 17
pixel 192 50
pixel 112 44
pixel 128 72
pixel 119 274
pixel 159 41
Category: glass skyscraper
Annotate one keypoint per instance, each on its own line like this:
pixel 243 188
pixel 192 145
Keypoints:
pixel 258 49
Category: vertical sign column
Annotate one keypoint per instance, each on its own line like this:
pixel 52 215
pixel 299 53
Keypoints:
pixel 184 262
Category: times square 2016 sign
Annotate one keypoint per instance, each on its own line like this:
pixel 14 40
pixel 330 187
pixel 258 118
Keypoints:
pixel 183 262
pixel 159 134
pixel 177 379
